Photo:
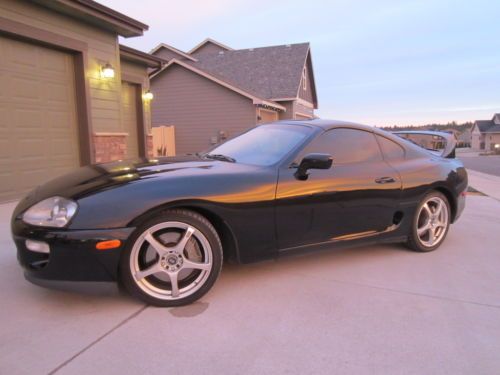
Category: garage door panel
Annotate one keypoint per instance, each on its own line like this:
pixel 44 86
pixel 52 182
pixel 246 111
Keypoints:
pixel 21 54
pixel 26 120
pixel 38 124
pixel 3 118
pixel 62 149
pixel 58 121
pixel 55 64
pixel 3 87
pixel 24 88
pixel 7 184
pixel 6 150
pixel 57 94
pixel 129 118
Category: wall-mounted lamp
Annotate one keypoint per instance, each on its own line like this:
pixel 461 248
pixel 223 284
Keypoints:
pixel 148 95
pixel 107 71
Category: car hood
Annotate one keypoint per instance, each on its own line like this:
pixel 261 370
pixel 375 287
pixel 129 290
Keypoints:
pixel 95 178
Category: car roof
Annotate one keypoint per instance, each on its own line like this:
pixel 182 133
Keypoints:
pixel 321 124
pixel 325 124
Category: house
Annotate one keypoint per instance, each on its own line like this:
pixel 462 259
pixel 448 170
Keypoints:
pixel 70 95
pixel 486 134
pixel 464 138
pixel 213 91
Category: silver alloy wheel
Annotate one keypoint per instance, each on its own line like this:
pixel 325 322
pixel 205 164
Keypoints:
pixel 171 260
pixel 432 221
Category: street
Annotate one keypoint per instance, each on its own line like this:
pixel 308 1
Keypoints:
pixel 484 164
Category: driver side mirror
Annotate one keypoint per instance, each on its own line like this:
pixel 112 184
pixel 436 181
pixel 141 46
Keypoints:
pixel 313 161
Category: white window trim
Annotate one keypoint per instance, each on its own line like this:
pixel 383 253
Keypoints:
pixel 304 79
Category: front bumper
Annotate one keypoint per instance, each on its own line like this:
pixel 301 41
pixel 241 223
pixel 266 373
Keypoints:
pixel 73 255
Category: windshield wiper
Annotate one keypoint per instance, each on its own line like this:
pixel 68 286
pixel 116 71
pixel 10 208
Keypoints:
pixel 220 157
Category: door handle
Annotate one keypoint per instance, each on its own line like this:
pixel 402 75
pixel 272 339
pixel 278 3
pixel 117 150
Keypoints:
pixel 385 180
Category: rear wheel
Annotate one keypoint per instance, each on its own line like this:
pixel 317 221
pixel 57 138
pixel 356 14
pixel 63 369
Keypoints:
pixel 430 223
pixel 172 260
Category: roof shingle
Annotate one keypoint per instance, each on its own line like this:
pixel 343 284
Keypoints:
pixel 267 72
pixel 487 126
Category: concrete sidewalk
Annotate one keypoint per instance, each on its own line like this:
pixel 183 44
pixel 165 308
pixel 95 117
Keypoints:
pixel 371 310
pixel 485 183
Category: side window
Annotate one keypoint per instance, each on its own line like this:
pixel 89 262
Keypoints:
pixel 390 149
pixel 347 146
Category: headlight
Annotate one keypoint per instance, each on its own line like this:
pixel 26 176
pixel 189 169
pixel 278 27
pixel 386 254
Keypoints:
pixel 51 212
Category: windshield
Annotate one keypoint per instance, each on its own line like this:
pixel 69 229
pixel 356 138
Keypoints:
pixel 264 145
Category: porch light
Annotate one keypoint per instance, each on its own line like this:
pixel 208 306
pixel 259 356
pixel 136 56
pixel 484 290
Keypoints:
pixel 497 146
pixel 148 95
pixel 107 71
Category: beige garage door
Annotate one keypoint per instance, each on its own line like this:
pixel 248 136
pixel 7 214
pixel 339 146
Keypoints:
pixel 129 118
pixel 38 131
pixel 267 116
pixel 301 117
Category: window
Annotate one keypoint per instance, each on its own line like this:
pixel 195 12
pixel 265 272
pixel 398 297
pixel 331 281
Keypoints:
pixel 347 146
pixel 263 145
pixel 304 79
pixel 390 149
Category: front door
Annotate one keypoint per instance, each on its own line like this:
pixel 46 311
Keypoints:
pixel 130 119
pixel 358 195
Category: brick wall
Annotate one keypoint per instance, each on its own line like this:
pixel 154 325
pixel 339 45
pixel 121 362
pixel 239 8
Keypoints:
pixel 109 147
pixel 149 146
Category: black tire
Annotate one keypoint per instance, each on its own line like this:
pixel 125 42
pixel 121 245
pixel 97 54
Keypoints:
pixel 192 219
pixel 414 242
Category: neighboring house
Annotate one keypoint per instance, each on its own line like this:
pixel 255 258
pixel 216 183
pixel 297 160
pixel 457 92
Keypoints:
pixel 69 94
pixel 213 91
pixel 486 134
pixel 464 138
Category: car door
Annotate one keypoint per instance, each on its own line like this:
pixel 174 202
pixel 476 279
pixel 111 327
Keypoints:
pixel 357 195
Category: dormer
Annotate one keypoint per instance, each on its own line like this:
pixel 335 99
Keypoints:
pixel 496 119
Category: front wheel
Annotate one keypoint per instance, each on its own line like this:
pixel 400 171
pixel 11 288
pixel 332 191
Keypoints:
pixel 172 260
pixel 430 223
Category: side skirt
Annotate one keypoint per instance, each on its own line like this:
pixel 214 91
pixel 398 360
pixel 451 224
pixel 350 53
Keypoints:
pixel 351 240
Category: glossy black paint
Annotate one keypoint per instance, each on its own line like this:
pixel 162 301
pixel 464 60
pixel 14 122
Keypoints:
pixel 260 212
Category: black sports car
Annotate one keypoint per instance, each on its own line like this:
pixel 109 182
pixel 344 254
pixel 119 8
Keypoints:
pixel 163 226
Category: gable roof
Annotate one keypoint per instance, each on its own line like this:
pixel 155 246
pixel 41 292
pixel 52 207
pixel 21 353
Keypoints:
pixel 206 41
pixel 173 49
pixel 496 118
pixel 268 72
pixel 186 65
pixel 488 126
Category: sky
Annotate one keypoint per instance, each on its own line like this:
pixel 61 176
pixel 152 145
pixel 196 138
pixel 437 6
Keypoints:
pixel 376 62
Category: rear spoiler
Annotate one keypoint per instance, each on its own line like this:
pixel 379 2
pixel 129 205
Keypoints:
pixel 450 143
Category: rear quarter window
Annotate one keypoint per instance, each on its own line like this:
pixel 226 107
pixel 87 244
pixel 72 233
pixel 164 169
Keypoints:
pixel 390 149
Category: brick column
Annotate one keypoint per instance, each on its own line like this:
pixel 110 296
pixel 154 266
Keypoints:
pixel 149 146
pixel 109 146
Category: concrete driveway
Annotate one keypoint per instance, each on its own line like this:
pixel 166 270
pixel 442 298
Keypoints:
pixel 372 310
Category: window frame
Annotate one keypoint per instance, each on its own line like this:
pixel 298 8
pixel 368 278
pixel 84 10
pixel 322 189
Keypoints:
pixel 304 79
pixel 303 152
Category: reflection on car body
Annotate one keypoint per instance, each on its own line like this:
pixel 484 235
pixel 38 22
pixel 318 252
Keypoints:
pixel 163 226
